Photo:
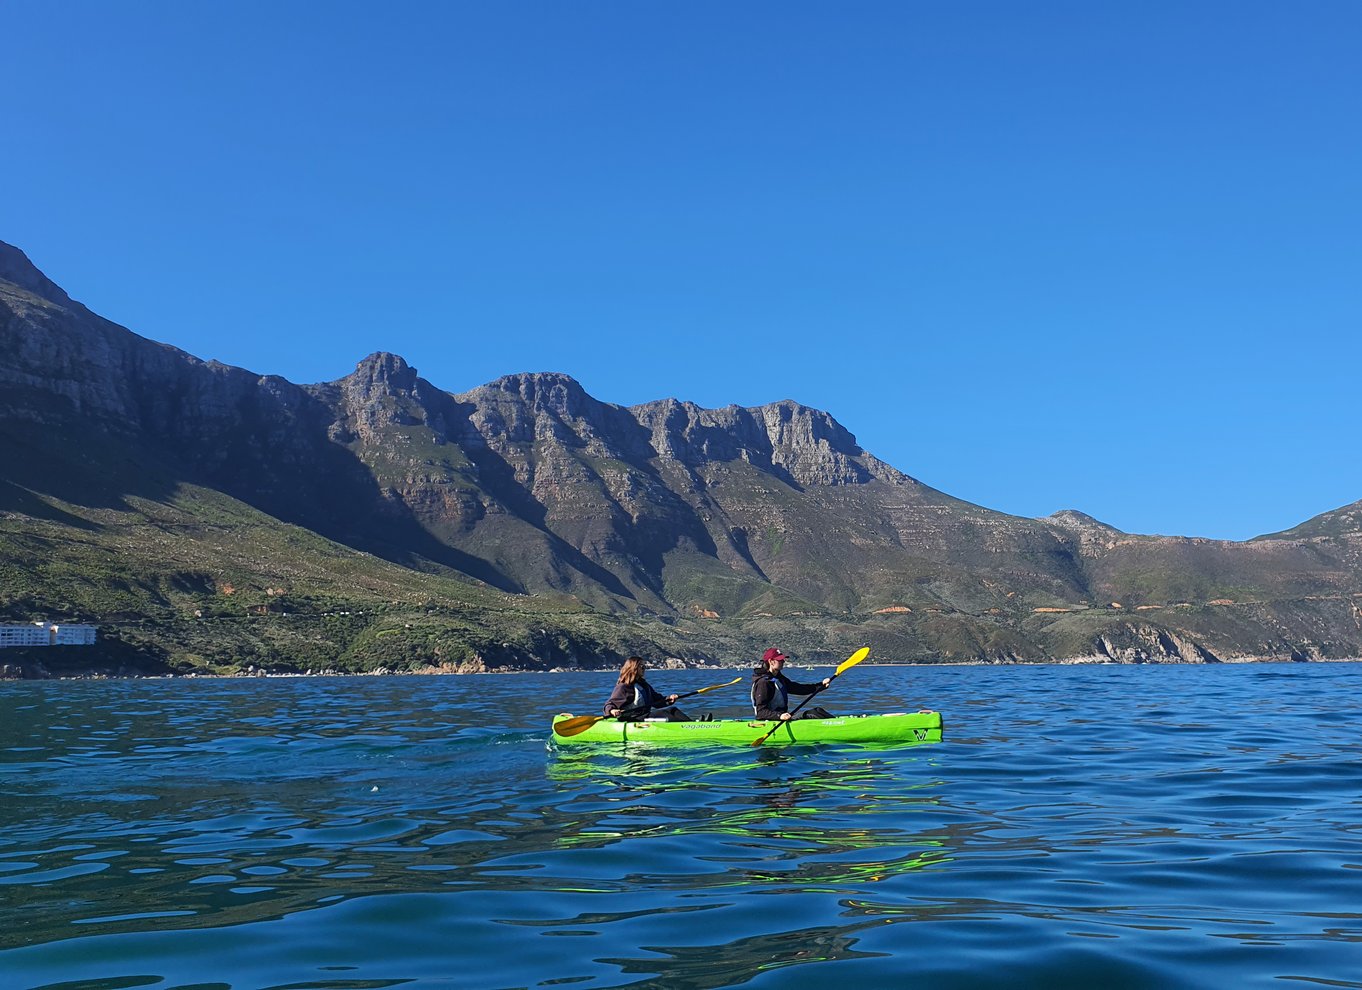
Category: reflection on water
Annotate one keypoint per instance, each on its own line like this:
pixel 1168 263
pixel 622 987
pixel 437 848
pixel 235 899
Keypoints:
pixel 815 828
pixel 1126 826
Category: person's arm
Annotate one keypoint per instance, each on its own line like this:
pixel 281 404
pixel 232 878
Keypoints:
pixel 794 687
pixel 619 699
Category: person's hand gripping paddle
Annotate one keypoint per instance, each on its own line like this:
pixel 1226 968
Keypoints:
pixel 846 664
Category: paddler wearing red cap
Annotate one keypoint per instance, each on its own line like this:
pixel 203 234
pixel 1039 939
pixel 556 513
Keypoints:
pixel 771 689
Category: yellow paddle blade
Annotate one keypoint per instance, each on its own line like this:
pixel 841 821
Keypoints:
pixel 572 726
pixel 853 660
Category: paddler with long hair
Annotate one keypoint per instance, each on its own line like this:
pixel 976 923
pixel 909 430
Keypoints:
pixel 634 698
pixel 771 689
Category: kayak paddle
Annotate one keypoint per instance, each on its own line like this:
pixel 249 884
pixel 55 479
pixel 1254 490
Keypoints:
pixel 572 726
pixel 846 664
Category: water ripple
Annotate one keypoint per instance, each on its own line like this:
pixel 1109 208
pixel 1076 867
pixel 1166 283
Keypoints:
pixel 1170 827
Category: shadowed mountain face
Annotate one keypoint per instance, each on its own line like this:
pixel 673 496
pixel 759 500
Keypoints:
pixel 698 532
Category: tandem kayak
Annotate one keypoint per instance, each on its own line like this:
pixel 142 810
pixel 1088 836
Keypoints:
pixel 897 729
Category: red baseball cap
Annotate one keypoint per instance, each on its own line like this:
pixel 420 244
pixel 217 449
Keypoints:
pixel 773 654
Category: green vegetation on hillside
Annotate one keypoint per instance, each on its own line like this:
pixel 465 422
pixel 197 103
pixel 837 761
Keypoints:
pixel 209 519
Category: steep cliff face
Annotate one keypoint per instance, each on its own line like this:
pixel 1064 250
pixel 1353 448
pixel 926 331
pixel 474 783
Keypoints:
pixel 733 522
pixel 17 270
pixel 802 446
pixel 62 361
pixel 70 368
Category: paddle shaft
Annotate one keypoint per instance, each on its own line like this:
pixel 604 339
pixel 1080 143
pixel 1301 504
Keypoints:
pixel 691 694
pixel 712 687
pixel 572 726
pixel 795 710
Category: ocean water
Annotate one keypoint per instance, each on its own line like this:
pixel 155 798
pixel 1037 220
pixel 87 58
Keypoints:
pixel 1087 827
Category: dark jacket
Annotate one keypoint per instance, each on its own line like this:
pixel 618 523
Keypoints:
pixel 766 696
pixel 625 697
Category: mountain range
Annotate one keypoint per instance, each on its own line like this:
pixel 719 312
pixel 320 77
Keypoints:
pixel 209 518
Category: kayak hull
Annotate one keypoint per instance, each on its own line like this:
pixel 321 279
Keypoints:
pixel 899 729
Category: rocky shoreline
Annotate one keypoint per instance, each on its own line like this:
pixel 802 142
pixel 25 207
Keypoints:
pixel 39 672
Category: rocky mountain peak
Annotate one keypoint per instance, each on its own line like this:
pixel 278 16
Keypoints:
pixel 17 269
pixel 802 444
pixel 790 423
pixel 1073 519
pixel 546 404
pixel 545 391
pixel 382 392
pixel 812 446
pixel 381 374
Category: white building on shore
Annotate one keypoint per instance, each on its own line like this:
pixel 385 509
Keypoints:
pixel 46 634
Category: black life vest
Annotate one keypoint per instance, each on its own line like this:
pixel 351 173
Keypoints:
pixel 780 698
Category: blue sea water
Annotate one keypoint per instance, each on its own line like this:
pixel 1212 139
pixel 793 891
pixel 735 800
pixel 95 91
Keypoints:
pixel 1092 826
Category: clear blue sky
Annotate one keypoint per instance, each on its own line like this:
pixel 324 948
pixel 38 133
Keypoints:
pixel 1092 255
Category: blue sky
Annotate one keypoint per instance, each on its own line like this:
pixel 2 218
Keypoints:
pixel 1102 256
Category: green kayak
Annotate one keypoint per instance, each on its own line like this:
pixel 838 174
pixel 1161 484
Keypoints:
pixel 898 729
